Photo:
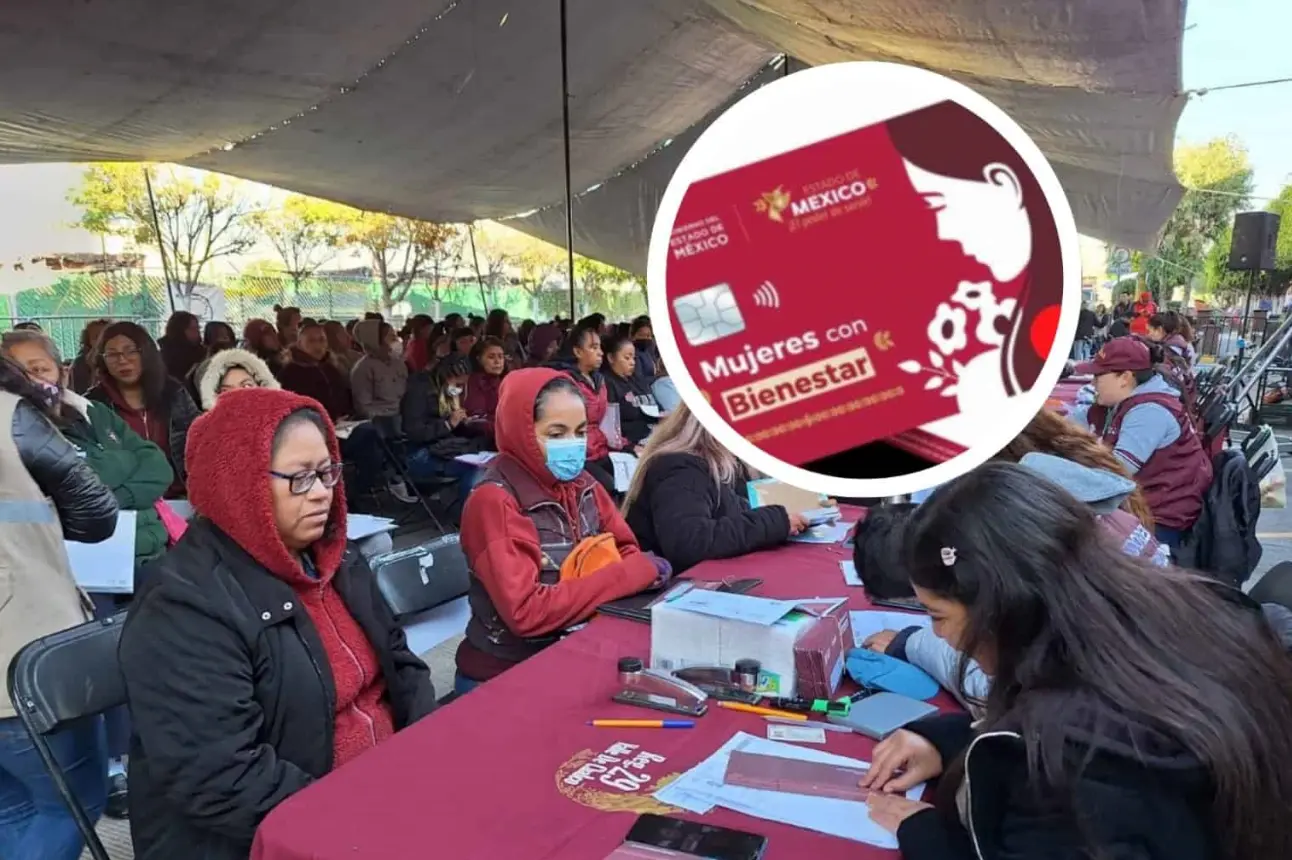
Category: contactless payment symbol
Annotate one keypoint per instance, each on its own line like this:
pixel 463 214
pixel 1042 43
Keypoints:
pixel 709 314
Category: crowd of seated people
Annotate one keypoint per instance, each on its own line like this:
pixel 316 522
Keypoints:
pixel 1047 574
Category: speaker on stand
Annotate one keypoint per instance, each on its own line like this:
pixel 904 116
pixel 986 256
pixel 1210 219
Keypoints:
pixel 1252 251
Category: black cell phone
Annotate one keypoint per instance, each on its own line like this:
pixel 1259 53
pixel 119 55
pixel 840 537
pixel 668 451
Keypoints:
pixel 695 839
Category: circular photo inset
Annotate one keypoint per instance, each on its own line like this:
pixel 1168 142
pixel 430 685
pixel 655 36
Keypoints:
pixel 870 278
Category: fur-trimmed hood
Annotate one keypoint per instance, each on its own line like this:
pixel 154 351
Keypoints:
pixel 208 386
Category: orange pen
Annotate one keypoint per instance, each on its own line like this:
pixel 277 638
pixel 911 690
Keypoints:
pixel 765 712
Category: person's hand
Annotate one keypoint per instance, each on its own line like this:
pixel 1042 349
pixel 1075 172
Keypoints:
pixel 916 759
pixel 890 810
pixel 456 417
pixel 798 524
pixel 880 641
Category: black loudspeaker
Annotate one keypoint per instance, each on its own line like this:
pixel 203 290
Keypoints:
pixel 1255 234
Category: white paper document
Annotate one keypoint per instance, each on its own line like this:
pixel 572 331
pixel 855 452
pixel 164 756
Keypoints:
pixel 868 622
pixel 735 607
pixel 107 567
pixel 850 575
pixel 625 467
pixel 479 458
pixel 829 533
pixel 701 788
pixel 360 526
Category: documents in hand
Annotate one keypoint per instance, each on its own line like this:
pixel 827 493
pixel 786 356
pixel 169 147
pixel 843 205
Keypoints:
pixel 829 533
pixel 106 567
pixel 870 621
pixel 479 458
pixel 702 788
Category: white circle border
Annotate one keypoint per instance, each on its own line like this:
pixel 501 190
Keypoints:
pixel 893 89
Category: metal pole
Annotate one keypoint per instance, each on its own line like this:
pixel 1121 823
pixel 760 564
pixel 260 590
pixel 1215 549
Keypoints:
pixel 565 136
pixel 161 244
pixel 471 234
pixel 1247 312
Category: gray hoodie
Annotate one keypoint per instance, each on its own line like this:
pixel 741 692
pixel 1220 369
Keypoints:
pixel 380 378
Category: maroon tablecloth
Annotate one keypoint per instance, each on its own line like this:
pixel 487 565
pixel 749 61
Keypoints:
pixel 487 777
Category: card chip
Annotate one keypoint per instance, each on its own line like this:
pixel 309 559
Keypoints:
pixel 709 314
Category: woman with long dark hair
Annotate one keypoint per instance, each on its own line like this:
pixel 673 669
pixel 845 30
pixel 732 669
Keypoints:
pixel 181 345
pixel 1132 713
pixel 132 379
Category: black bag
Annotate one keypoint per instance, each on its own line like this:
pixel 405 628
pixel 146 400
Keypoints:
pixel 1223 541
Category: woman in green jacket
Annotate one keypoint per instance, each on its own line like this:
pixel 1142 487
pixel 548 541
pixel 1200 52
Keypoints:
pixel 135 469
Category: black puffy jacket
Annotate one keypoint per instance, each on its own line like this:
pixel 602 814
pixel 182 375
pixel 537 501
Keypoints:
pixel 230 694
pixel 87 509
pixel 686 516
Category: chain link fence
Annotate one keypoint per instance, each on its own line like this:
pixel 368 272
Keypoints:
pixel 64 308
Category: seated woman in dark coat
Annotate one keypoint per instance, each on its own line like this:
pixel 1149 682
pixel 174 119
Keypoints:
pixel 259 654
pixel 687 500
pixel 629 389
pixel 1132 708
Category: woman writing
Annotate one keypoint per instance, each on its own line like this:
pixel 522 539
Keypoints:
pixel 687 500
pixel 522 524
pixel 47 494
pixel 132 381
pixel 1130 711
pixel 435 424
pixel 1139 415
pixel 259 655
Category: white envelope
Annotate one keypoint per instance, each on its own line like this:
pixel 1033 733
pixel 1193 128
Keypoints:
pixel 708 315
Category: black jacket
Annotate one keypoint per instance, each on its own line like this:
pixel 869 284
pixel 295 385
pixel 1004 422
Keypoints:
pixel 86 508
pixel 684 515
pixel 1139 797
pixel 423 425
pixel 231 695
pixel 1086 321
pixel 630 395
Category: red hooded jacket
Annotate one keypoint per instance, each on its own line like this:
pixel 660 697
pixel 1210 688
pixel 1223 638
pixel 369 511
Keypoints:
pixel 502 544
pixel 229 484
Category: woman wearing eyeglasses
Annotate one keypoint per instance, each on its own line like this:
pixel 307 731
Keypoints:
pixel 131 377
pixel 258 655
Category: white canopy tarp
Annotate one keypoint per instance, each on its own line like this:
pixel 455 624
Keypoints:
pixel 451 111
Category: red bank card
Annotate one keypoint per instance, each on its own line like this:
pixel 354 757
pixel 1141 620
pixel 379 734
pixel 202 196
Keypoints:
pixel 821 300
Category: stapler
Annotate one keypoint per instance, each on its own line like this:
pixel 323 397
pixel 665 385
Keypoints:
pixel 658 690
pixel 738 684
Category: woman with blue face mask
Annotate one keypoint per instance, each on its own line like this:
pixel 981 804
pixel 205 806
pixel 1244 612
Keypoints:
pixel 522 523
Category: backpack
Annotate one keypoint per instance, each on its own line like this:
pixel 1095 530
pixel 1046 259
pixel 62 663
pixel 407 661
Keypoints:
pixel 1223 541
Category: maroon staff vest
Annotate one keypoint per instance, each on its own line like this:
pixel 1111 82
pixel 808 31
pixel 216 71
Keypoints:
pixel 1176 477
pixel 557 536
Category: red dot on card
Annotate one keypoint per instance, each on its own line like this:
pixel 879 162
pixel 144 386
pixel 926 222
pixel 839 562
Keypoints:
pixel 1044 328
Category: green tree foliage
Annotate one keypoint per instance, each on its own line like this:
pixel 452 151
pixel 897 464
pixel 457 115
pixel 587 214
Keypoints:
pixel 306 233
pixel 202 216
pixel 1217 176
pixel 400 248
pixel 1231 287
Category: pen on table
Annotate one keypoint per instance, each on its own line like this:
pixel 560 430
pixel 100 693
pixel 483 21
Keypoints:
pixel 798 721
pixel 642 724
pixel 766 712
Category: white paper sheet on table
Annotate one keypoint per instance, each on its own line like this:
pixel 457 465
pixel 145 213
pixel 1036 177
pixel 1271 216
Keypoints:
pixel 870 621
pixel 701 788
pixel 850 575
pixel 107 567
pixel 736 607
pixel 625 467
pixel 360 526
pixel 830 533
pixel 479 458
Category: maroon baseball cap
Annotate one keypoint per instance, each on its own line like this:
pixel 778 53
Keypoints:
pixel 1119 354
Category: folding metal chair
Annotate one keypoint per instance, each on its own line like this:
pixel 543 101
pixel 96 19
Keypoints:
pixel 394 450
pixel 422 577
pixel 59 679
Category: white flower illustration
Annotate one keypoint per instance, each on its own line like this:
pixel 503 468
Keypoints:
pixel 947 331
pixel 987 332
pixel 974 296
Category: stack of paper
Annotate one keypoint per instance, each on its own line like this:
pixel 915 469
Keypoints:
pixel 360 526
pixel 701 788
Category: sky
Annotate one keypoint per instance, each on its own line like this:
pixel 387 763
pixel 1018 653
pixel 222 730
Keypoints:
pixel 1234 42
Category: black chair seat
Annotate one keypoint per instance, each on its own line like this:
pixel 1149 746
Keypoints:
pixel 422 577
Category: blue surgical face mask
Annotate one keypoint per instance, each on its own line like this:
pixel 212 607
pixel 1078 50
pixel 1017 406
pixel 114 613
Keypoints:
pixel 565 457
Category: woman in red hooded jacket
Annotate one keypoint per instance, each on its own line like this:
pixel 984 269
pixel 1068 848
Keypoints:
pixel 534 505
pixel 258 655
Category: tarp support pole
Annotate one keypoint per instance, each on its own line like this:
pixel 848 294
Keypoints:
pixel 161 243
pixel 565 137
pixel 471 235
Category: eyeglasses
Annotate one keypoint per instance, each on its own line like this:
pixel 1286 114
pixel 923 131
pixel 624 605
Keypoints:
pixel 127 354
pixel 301 483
